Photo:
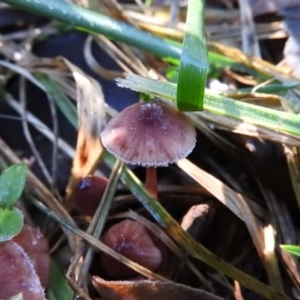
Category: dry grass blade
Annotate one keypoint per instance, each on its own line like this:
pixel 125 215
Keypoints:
pixel 257 64
pixel 174 13
pixel 22 71
pixel 27 134
pixel 292 158
pixel 90 101
pixel 234 201
pixel 14 51
pixel 80 292
pixel 113 51
pixel 97 225
pixel 230 124
pixel 249 39
pixel 267 100
pixel 40 126
pixel 95 66
pixel 282 221
pixel 23 100
pixel 291 267
pixel 98 244
pixel 271 258
pixel 125 62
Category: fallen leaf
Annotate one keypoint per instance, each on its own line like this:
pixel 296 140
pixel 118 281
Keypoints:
pixel 36 247
pixel 148 289
pixel 17 275
pixel 92 118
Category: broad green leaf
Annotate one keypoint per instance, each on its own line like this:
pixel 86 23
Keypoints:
pixel 12 183
pixel 58 286
pixel 292 249
pixel 11 223
pixel 194 61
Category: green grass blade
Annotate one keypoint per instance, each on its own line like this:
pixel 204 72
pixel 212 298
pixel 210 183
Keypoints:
pixel 61 100
pixel 253 114
pixel 272 88
pixel 292 249
pixel 194 61
pixel 90 21
pixel 58 287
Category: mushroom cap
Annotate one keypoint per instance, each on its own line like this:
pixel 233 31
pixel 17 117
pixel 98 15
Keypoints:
pixel 149 134
pixel 131 239
pixel 87 194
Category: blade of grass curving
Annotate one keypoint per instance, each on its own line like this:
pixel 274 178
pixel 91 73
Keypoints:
pixel 194 60
pixel 272 88
pixel 253 114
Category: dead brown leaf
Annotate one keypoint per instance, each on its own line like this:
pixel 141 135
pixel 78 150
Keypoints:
pixel 17 275
pixel 148 289
pixel 90 101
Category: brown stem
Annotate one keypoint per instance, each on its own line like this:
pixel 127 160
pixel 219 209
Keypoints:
pixel 151 181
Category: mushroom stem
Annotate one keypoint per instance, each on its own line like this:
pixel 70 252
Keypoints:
pixel 151 181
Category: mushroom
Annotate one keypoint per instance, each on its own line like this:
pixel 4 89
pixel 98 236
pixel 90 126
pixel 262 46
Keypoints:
pixel 87 194
pixel 131 239
pixel 151 135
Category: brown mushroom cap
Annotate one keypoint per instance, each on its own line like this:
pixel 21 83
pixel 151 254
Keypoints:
pixel 149 134
pixel 87 194
pixel 131 239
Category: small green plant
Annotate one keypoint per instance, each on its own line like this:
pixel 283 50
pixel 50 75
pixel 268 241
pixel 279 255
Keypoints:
pixel 12 182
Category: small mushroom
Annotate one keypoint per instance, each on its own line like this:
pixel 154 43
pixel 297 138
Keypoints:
pixel 151 135
pixel 131 239
pixel 87 194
